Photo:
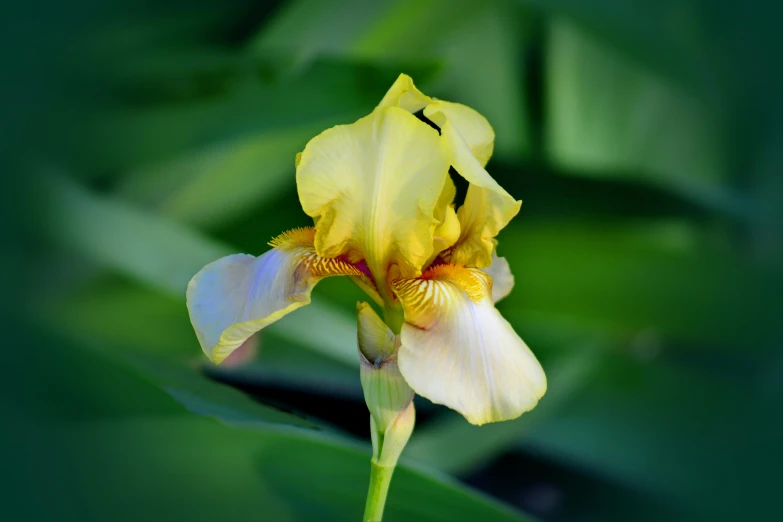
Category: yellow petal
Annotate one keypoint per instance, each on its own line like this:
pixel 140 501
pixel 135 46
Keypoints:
pixel 472 126
pixel 447 232
pixel 234 297
pixel 502 278
pixel 457 350
pixel 372 188
pixel 487 208
pixel 405 95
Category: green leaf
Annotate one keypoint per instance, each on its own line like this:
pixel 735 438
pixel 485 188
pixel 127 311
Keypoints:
pixel 165 255
pixel 245 106
pixel 609 117
pixel 314 27
pixel 222 181
pixel 668 37
pixel 675 430
pixel 200 395
pixel 98 314
pixel 178 376
pixel 195 469
pixel 669 281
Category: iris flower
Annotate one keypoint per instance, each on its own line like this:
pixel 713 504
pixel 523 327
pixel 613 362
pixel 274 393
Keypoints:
pixel 381 197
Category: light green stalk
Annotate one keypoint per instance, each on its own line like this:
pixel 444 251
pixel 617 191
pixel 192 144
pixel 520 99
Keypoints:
pixel 380 478
pixel 386 450
pixel 389 400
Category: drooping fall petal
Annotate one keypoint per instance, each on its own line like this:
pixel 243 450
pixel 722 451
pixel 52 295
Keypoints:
pixel 457 350
pixel 372 188
pixel 234 297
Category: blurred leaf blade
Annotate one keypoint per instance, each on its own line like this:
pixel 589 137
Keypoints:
pixel 665 36
pixel 623 279
pixel 218 183
pixel 205 471
pixel 611 117
pixel 165 255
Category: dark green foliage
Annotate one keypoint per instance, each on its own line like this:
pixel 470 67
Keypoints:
pixel 145 139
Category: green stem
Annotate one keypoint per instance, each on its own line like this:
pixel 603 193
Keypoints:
pixel 380 478
pixel 393 316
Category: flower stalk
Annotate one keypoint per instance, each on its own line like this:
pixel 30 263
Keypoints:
pixel 386 448
pixel 380 478
pixel 389 399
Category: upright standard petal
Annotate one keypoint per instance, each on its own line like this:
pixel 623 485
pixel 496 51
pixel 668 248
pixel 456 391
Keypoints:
pixel 487 209
pixel 457 350
pixel 372 188
pixel 447 232
pixel 474 128
pixel 404 94
pixel 234 297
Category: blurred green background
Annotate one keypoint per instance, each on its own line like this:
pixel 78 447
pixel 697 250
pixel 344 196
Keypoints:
pixel 144 139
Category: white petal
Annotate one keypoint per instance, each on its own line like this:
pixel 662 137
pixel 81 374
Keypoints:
pixel 502 278
pixel 234 297
pixel 457 350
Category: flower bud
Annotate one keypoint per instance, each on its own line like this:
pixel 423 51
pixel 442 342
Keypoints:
pixel 385 391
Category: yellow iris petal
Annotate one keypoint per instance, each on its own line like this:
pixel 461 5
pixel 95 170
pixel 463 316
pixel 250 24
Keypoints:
pixel 234 297
pixel 472 126
pixel 372 188
pixel 404 94
pixel 488 208
pixel 457 350
pixel 447 232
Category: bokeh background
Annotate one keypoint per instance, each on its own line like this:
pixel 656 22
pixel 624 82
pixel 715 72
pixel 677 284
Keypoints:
pixel 143 139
